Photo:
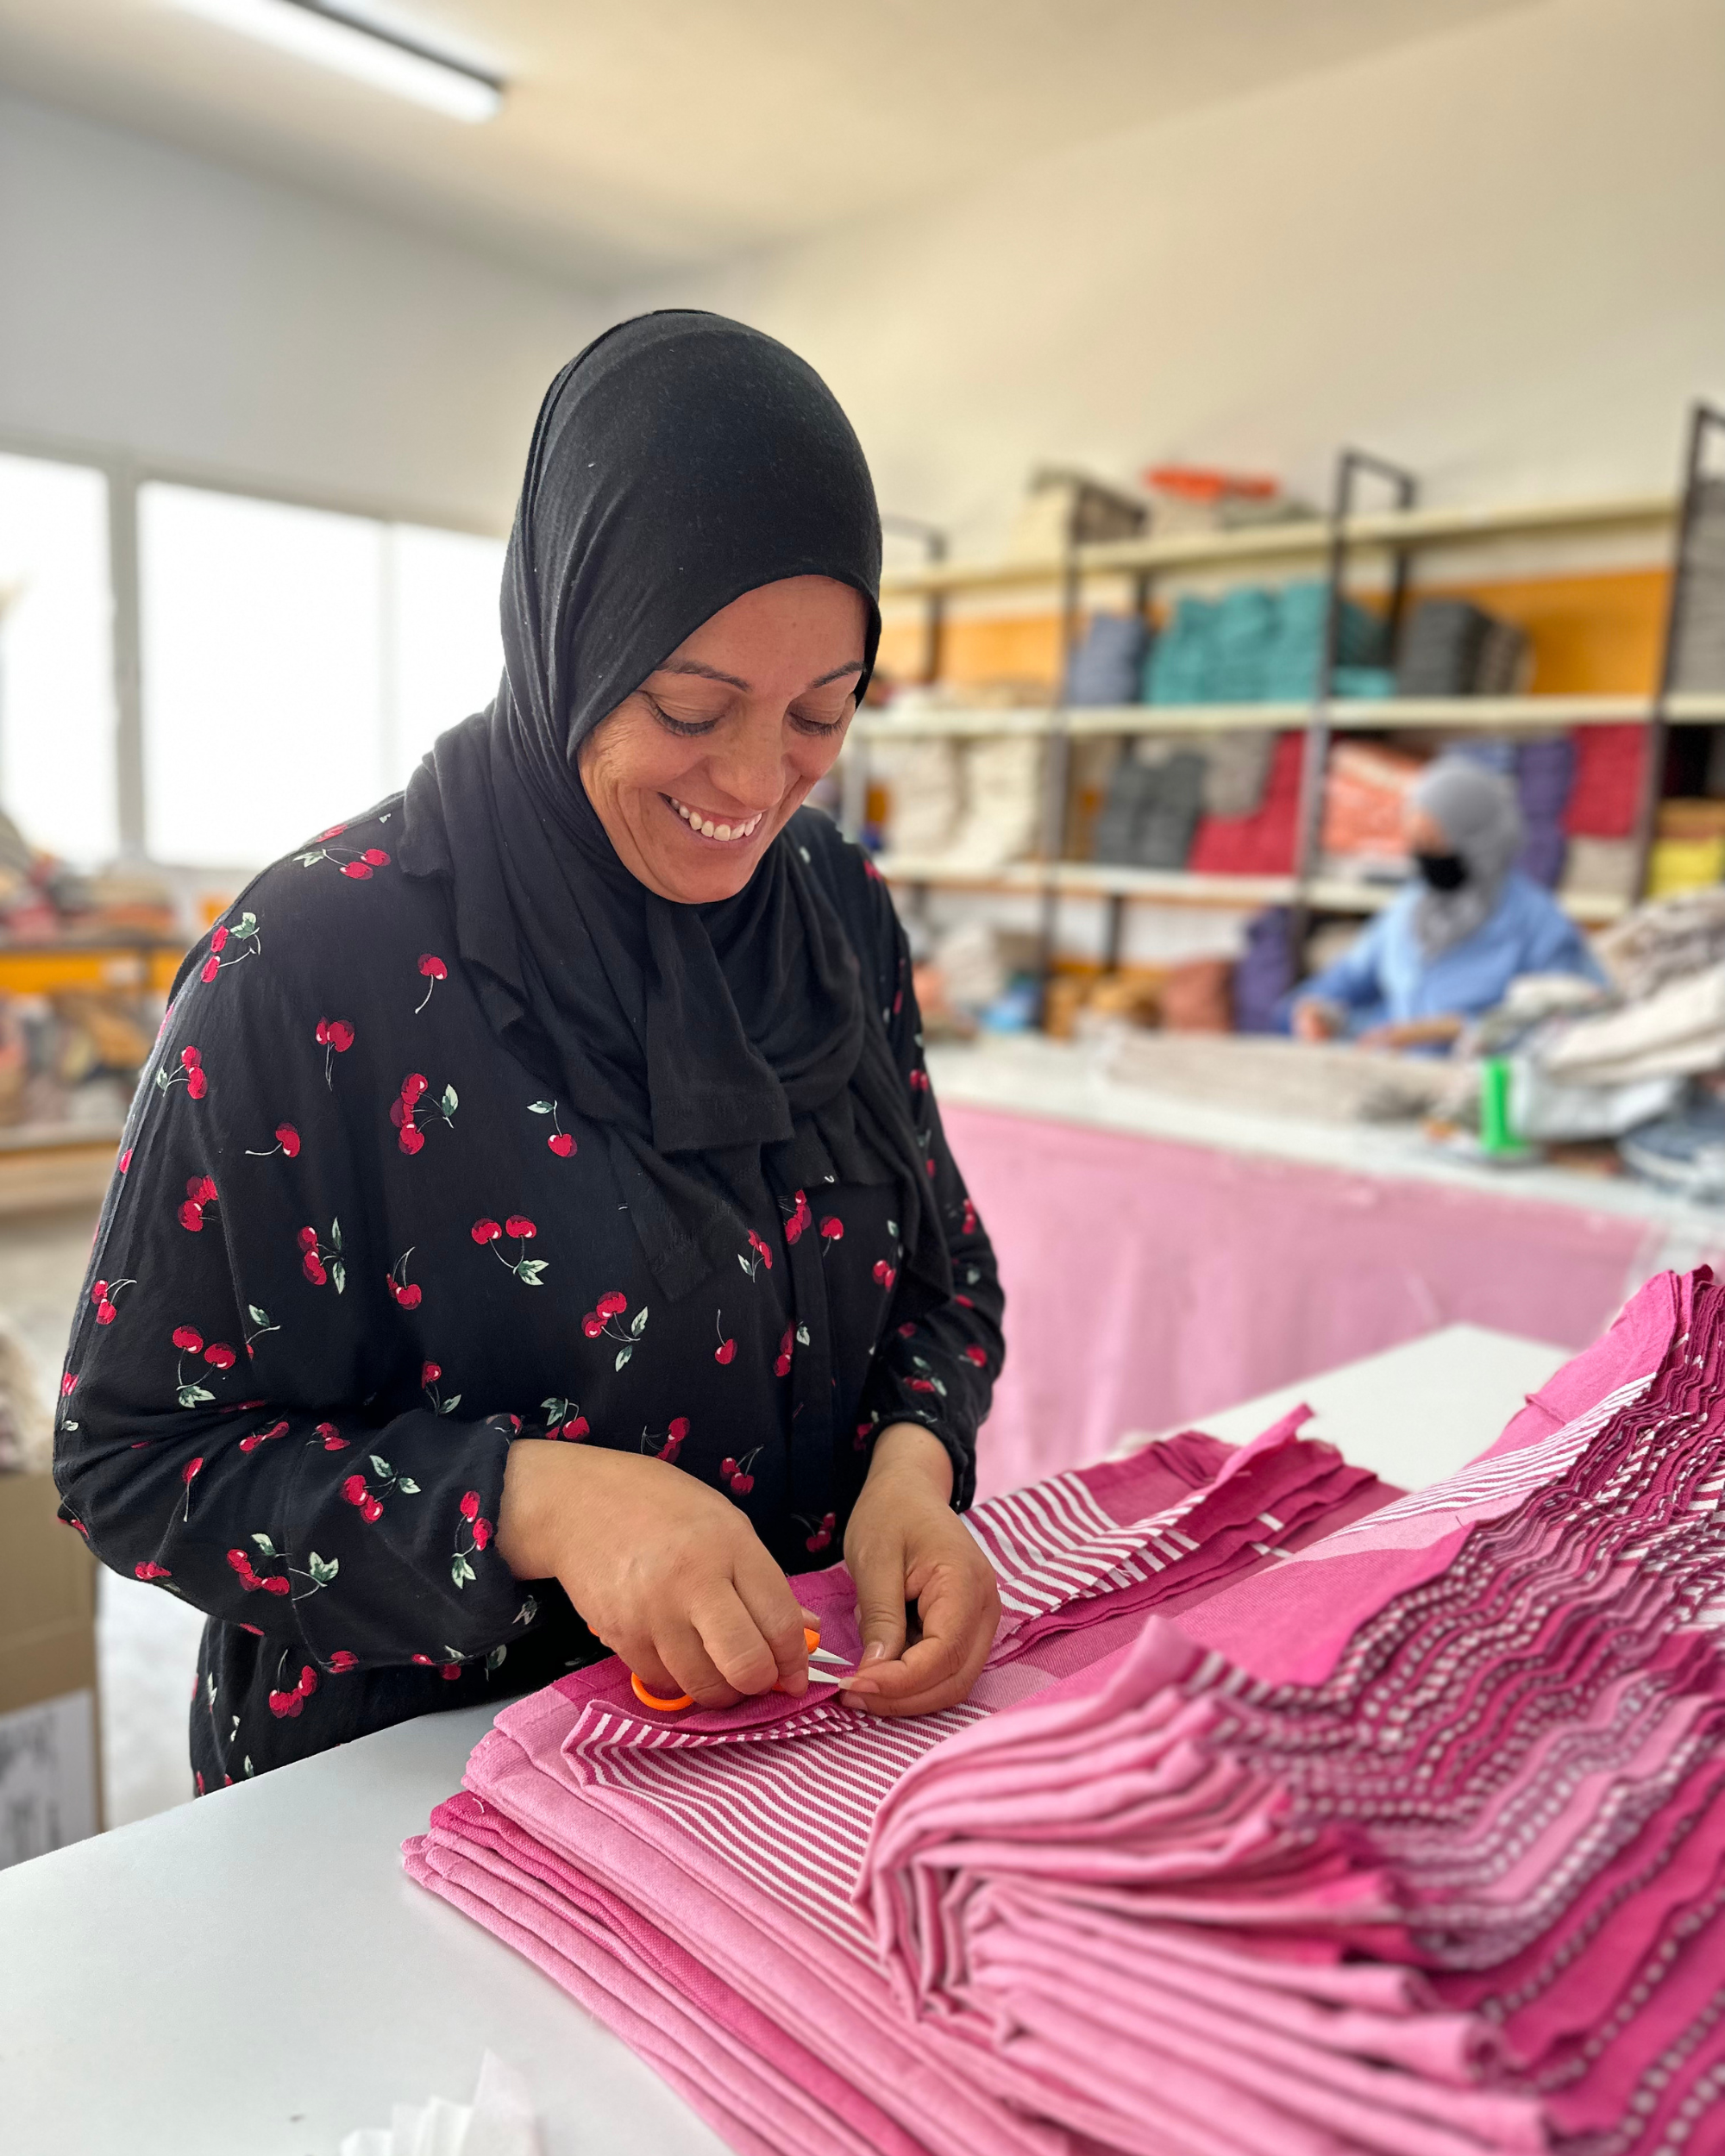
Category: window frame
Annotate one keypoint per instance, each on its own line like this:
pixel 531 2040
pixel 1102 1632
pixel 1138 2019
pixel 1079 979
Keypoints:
pixel 124 473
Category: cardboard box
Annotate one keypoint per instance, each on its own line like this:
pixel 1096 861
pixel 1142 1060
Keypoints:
pixel 50 1791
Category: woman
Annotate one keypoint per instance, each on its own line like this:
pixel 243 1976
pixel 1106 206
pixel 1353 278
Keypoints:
pixel 1447 947
pixel 535 1229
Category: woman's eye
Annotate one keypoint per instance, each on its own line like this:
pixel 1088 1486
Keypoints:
pixel 811 723
pixel 687 727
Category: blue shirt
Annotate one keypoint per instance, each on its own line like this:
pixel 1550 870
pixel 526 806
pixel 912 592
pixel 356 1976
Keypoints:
pixel 1386 978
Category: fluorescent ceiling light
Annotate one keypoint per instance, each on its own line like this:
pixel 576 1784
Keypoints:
pixel 338 38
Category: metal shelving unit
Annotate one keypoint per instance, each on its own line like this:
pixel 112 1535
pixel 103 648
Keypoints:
pixel 1334 543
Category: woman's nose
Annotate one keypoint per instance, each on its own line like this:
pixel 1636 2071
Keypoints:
pixel 750 768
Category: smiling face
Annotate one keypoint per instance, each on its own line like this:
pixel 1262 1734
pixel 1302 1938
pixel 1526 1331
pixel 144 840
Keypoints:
pixel 696 773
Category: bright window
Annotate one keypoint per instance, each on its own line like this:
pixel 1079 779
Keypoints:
pixel 296 663
pixel 57 718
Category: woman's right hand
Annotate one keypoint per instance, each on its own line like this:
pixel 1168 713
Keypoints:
pixel 1315 1021
pixel 667 1573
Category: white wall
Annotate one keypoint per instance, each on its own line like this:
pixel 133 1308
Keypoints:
pixel 156 302
pixel 1497 255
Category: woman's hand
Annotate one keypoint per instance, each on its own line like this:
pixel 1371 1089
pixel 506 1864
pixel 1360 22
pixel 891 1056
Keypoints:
pixel 1434 1032
pixel 1316 1021
pixel 905 1544
pixel 666 1571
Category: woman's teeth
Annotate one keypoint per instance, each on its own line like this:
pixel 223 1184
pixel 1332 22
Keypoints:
pixel 708 829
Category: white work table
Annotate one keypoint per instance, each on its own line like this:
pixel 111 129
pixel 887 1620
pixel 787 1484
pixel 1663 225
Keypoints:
pixel 253 1976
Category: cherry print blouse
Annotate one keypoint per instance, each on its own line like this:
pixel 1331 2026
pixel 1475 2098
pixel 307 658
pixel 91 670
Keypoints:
pixel 354 1247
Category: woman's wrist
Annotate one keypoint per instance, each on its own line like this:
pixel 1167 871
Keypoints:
pixel 539 1474
pixel 910 1452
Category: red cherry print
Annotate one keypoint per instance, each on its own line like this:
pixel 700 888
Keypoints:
pixel 68 1384
pixel 241 1563
pixel 679 1429
pixel 574 1429
pixel 907 1333
pixel 340 1036
pixel 829 1521
pixel 218 939
pixel 288 1703
pixel 818 1540
pixel 334 832
pixel 399 1112
pixel 485 1231
pixel 884 1273
pixel 192 1216
pixel 190 1059
pixel 965 1300
pixel 413 1138
pixel 432 968
pixel 470 1505
pixel 323 1033
pixel 312 1266
pixel 611 1305
pixel 357 870
pixel 152 1571
pixel 186 1340
pixel 592 1324
pixel 727 1467
pixel 518 1225
pixel 342 1660
pixel 482 1533
pixel 333 1439
pixel 98 1292
pixel 220 1356
pixel 450 1671
pixel 196 1085
pixel 308 1239
pixel 921 1384
pixel 410 1296
pixel 104 1312
pixel 832 1229
pixel 209 968
pixel 561 1144
pixel 201 1190
pixel 969 1226
pixel 189 1472
pixel 978 1356
pixel 726 1352
pixel 425 1660
pixel 743 1484
pixel 370 1510
pixel 375 858
pixel 929 1164
pixel 353 1489
pixel 412 1086
pixel 125 1160
pixel 288 1138
pixel 277 1583
pixel 430 1373
pixel 308 1683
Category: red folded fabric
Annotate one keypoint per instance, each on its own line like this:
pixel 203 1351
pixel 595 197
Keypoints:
pixel 1607 788
pixel 1263 843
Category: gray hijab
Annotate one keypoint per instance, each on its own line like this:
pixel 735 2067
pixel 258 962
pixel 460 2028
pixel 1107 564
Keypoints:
pixel 1481 818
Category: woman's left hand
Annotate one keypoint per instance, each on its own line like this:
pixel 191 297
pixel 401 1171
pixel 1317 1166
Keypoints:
pixel 905 1544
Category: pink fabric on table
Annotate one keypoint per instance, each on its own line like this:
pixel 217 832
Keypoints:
pixel 1504 1767
pixel 713 1857
pixel 1149 1283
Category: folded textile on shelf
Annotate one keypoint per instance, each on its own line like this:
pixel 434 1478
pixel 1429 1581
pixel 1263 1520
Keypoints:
pixel 690 1879
pixel 1677 1030
pixel 1263 843
pixel 1663 940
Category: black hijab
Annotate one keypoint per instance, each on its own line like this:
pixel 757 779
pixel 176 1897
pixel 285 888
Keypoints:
pixel 730 1050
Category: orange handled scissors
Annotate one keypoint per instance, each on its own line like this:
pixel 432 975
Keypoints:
pixel 811 1642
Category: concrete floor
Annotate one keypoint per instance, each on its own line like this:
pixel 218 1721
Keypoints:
pixel 147 1642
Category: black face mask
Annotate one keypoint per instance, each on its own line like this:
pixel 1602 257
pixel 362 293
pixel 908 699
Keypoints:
pixel 1443 872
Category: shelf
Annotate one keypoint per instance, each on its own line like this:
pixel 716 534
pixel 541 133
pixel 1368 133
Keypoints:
pixel 1348 714
pixel 1339 894
pixel 1094 880
pixel 110 963
pixel 1306 541
pixel 1179 886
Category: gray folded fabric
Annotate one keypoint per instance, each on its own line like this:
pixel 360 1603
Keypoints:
pixel 1237 769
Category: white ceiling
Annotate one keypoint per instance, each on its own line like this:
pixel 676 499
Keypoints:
pixel 645 135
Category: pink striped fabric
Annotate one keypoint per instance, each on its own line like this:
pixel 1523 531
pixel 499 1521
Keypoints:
pixel 1289 1814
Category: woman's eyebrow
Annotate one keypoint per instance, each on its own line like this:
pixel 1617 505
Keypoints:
pixel 713 674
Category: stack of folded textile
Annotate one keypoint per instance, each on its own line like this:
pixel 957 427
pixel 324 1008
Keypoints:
pixel 1699 661
pixel 1262 645
pixel 1261 843
pixel 1452 648
pixel 1284 1818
